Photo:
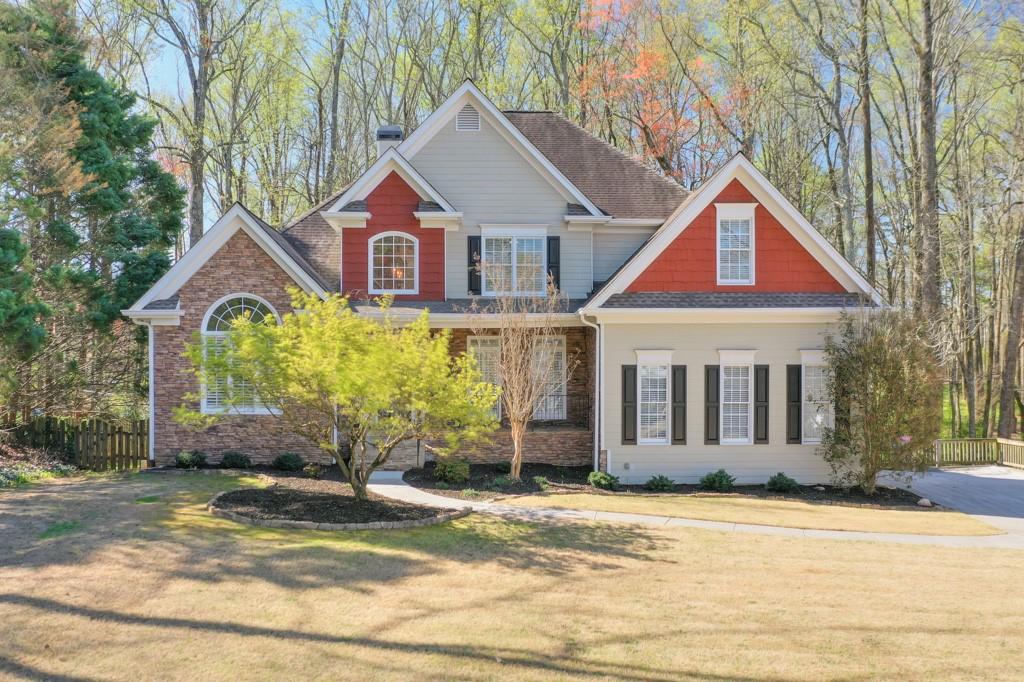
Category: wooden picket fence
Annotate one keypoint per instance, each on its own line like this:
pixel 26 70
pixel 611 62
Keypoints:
pixel 962 451
pixel 92 443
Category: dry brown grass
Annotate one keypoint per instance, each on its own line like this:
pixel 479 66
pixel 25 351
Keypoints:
pixel 791 513
pixel 162 590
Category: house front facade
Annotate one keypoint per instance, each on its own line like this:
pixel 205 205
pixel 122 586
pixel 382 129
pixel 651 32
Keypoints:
pixel 692 328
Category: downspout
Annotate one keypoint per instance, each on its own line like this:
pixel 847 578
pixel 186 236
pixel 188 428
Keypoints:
pixel 598 364
pixel 151 342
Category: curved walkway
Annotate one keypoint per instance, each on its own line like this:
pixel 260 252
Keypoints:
pixel 390 484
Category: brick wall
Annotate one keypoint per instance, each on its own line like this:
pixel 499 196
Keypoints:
pixel 240 266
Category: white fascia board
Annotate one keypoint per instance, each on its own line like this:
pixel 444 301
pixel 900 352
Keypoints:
pixel 237 218
pixel 782 209
pixel 340 220
pixel 390 161
pixel 158 318
pixel 713 315
pixel 439 219
pixel 468 93
pixel 635 222
pixel 474 320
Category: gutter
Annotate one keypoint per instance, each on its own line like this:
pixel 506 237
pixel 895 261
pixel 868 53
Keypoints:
pixel 598 384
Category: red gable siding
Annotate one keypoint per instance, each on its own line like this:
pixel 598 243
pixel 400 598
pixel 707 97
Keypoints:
pixel 391 205
pixel 780 262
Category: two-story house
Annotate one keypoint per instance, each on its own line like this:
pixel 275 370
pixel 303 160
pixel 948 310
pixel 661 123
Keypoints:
pixel 696 319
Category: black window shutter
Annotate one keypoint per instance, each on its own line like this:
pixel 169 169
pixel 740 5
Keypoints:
pixel 629 405
pixel 712 404
pixel 794 404
pixel 474 265
pixel 555 261
pixel 760 403
pixel 679 404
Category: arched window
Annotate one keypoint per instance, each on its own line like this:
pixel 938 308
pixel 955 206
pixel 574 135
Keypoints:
pixel 216 326
pixel 393 264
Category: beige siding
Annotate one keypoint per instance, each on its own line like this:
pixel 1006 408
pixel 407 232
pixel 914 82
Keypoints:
pixel 611 249
pixel 697 345
pixel 483 176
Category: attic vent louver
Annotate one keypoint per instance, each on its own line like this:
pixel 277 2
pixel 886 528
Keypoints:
pixel 468 119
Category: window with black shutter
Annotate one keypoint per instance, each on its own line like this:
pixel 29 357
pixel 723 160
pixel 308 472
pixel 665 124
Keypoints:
pixel 555 261
pixel 761 404
pixel 679 404
pixel 712 405
pixel 473 244
pixel 793 404
pixel 629 405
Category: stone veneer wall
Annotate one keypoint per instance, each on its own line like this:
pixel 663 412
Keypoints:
pixel 240 266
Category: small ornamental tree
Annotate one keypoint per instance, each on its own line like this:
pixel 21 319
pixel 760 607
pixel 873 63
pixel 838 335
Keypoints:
pixel 325 370
pixel 886 385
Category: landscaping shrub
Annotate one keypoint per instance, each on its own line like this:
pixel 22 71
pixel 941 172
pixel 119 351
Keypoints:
pixel 313 470
pixel 471 492
pixel 660 484
pixel 781 483
pixel 501 482
pixel 452 471
pixel 189 459
pixel 542 482
pixel 503 467
pixel 602 480
pixel 720 481
pixel 235 460
pixel 288 461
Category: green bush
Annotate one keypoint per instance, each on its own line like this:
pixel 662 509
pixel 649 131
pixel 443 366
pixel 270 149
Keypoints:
pixel 501 482
pixel 781 483
pixel 288 461
pixel 660 484
pixel 452 471
pixel 189 459
pixel 541 482
pixel 441 485
pixel 720 481
pixel 471 492
pixel 313 470
pixel 235 460
pixel 600 479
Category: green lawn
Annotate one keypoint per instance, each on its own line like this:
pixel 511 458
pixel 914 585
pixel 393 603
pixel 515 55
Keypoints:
pixel 162 590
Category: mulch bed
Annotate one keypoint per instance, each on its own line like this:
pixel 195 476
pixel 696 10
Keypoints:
pixel 294 498
pixel 489 481
pixel 485 483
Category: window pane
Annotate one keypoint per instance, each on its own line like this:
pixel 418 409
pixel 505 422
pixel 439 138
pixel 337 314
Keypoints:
pixel 550 358
pixel 736 402
pixel 530 265
pixel 497 264
pixel 486 350
pixel 817 409
pixel 394 264
pixel 653 381
pixel 734 250
pixel 230 310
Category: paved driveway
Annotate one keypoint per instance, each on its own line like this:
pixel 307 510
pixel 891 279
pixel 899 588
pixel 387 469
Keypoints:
pixel 993 492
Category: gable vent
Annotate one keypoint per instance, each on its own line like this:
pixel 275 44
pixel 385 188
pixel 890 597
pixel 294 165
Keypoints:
pixel 468 119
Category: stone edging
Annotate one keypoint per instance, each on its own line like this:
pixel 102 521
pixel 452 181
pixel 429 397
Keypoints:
pixel 312 525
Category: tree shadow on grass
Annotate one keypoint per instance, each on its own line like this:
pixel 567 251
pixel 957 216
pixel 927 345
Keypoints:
pixel 516 659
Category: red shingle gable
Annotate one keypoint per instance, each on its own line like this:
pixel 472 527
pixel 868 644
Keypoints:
pixel 391 205
pixel 781 264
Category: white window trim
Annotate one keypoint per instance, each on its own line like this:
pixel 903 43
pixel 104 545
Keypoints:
pixel 655 358
pixel 734 212
pixel 809 358
pixel 416 265
pixel 204 334
pixel 736 358
pixel 515 233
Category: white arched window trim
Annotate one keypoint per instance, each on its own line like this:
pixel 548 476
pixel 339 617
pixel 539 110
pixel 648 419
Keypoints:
pixel 206 408
pixel 416 263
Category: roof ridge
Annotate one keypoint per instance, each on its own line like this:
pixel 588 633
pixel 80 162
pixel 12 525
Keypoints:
pixel 661 176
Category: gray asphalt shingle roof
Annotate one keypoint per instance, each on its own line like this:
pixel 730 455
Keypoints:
pixel 745 299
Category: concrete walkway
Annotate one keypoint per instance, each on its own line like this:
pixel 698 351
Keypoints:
pixel 390 484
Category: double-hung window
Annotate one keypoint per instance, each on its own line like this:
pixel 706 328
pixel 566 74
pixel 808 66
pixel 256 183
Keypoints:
pixel 737 396
pixel 548 360
pixel 735 243
pixel 487 351
pixel 513 261
pixel 652 377
pixel 816 410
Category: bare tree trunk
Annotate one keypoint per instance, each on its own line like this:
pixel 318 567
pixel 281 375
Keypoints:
pixel 1007 426
pixel 929 203
pixel 869 172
